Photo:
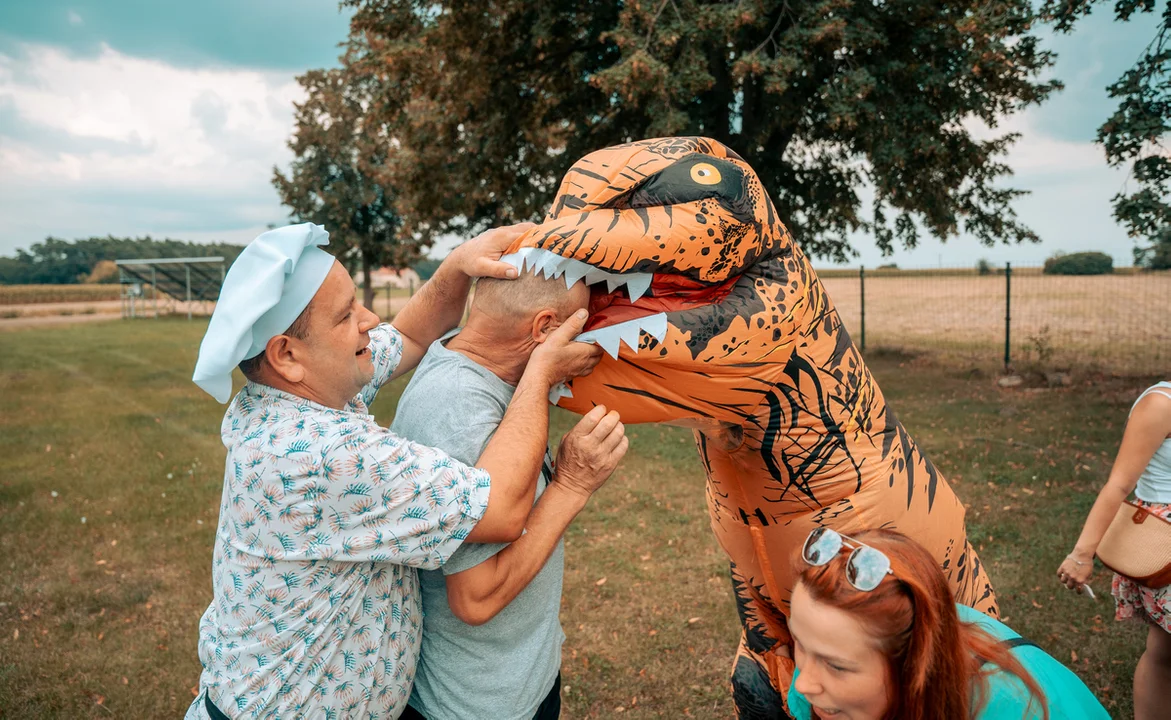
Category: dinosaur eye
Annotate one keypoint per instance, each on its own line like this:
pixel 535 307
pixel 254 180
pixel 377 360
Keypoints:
pixel 705 174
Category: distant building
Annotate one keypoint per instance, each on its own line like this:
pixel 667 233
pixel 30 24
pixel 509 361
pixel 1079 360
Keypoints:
pixel 380 278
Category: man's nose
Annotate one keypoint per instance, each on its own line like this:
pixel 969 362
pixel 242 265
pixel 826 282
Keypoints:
pixel 370 320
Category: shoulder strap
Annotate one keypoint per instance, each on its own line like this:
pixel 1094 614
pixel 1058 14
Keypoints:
pixel 1162 388
pixel 1017 642
pixel 1014 643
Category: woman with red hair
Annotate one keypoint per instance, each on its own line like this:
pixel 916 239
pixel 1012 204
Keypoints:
pixel 878 636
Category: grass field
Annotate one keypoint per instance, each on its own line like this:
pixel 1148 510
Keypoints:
pixel 110 478
pixel 1115 323
pixel 36 294
pixel 33 294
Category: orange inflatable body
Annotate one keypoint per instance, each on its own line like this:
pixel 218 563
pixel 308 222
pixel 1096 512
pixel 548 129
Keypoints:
pixel 716 320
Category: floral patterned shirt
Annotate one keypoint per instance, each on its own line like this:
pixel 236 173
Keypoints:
pixel 324 519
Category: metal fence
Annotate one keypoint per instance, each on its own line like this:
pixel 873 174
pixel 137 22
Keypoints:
pixel 1014 316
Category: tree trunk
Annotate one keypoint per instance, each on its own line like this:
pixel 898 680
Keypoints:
pixel 367 284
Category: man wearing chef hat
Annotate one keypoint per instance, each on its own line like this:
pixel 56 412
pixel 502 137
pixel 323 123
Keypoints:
pixel 326 515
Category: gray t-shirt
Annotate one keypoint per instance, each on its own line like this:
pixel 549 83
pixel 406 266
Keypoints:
pixel 504 668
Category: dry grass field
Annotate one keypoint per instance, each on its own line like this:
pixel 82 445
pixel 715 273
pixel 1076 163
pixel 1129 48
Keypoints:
pixel 24 306
pixel 34 294
pixel 1119 324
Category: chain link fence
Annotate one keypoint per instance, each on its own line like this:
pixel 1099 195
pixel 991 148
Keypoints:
pixel 1012 316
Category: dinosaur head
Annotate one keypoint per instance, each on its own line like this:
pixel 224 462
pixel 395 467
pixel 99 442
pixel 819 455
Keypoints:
pixel 689 269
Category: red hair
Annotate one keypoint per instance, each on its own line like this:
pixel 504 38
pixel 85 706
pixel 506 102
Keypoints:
pixel 934 661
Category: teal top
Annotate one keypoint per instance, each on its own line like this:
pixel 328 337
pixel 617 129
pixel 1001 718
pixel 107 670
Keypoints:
pixel 1068 696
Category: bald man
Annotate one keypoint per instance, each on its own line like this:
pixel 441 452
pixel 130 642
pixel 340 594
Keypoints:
pixel 491 630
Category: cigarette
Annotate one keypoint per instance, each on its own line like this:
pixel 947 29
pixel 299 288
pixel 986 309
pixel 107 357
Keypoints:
pixel 1089 591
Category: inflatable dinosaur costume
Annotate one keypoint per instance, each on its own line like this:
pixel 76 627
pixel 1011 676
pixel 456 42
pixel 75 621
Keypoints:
pixel 715 320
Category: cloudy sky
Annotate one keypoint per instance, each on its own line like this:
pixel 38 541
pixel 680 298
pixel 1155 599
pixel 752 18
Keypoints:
pixel 133 117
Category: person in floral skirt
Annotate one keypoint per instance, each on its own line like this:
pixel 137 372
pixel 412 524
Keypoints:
pixel 1143 466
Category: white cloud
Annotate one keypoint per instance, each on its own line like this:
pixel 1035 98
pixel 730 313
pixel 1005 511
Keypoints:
pixel 115 128
pixel 1071 186
pixel 1069 204
pixel 74 18
pixel 1039 152
pixel 125 145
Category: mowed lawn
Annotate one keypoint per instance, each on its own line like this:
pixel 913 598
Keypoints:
pixel 110 480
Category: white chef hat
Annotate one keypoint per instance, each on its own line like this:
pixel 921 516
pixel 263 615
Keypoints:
pixel 265 290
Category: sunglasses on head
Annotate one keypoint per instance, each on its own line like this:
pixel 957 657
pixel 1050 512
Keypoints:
pixel 865 568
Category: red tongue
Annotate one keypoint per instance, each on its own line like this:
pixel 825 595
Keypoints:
pixel 669 293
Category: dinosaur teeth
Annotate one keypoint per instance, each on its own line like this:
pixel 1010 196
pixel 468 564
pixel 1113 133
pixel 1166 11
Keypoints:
pixel 594 276
pixel 628 332
pixel 609 338
pixel 655 326
pixel 515 259
pixel 637 285
pixel 560 390
pixel 552 265
pixel 573 272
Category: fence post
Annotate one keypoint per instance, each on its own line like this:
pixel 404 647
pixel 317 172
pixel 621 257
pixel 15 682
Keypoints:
pixel 862 287
pixel 1007 316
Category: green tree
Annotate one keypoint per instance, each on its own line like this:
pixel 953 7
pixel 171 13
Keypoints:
pixel 55 261
pixel 1080 263
pixel 1135 132
pixel 1158 255
pixel 425 268
pixel 491 102
pixel 336 177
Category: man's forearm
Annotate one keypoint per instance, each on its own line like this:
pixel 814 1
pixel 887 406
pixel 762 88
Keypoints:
pixel 514 455
pixel 437 307
pixel 513 460
pixel 478 594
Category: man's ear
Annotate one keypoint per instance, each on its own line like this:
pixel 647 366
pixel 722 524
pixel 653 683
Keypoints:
pixel 544 323
pixel 281 353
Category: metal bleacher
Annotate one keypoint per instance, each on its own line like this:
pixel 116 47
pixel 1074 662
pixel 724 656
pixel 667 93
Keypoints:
pixel 171 281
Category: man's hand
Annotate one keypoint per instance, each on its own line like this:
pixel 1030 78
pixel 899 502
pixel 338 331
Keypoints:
pixel 559 358
pixel 590 451
pixel 480 256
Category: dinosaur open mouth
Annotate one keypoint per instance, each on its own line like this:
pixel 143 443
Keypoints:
pixel 623 306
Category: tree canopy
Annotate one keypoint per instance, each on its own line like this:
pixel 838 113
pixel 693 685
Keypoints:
pixel 335 179
pixel 1156 256
pixel 857 116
